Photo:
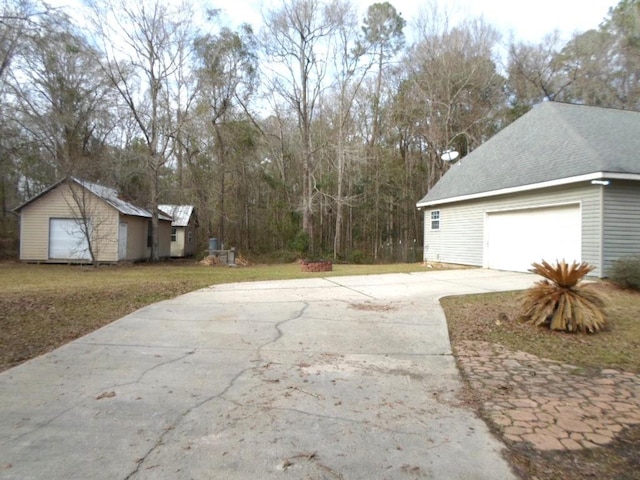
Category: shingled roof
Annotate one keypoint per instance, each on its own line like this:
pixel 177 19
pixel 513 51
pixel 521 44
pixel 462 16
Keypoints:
pixel 554 142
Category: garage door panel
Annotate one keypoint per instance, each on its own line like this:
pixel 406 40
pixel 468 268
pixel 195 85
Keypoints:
pixel 67 240
pixel 515 239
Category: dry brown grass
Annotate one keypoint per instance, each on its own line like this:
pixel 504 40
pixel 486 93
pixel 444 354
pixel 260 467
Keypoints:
pixel 45 306
pixel 494 318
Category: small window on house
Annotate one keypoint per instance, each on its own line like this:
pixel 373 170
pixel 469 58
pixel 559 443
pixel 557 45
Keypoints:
pixel 435 219
pixel 189 236
pixel 149 234
pixel 174 234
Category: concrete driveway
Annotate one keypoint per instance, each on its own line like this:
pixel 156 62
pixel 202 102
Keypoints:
pixel 336 378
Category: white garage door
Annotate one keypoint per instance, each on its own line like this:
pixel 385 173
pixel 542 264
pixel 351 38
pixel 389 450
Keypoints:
pixel 515 239
pixel 66 240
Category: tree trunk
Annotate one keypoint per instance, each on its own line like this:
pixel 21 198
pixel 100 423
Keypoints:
pixel 222 179
pixel 374 154
pixel 337 238
pixel 155 230
pixel 305 120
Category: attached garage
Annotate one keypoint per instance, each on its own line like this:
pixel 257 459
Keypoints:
pixel 560 182
pixel 516 238
pixel 67 241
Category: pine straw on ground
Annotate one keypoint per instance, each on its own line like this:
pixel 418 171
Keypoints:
pixel 495 318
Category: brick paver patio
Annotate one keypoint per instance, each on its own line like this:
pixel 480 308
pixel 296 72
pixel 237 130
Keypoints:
pixel 547 403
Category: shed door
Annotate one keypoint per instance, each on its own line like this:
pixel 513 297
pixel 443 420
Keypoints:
pixel 122 241
pixel 514 239
pixel 66 240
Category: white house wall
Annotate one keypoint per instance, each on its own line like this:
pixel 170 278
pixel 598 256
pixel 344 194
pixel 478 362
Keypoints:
pixel 621 233
pixel 461 236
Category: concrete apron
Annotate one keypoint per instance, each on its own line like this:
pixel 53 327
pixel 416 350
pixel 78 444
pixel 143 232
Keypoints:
pixel 337 378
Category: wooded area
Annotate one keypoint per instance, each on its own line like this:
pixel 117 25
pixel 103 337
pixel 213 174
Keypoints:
pixel 314 136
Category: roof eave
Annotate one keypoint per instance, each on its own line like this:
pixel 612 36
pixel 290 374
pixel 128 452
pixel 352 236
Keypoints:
pixel 532 186
pixel 107 200
pixel 41 194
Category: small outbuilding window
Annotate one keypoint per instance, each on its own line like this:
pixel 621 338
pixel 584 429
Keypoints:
pixel 435 219
pixel 174 234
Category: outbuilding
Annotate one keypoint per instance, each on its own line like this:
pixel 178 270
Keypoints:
pixel 560 183
pixel 73 218
pixel 183 229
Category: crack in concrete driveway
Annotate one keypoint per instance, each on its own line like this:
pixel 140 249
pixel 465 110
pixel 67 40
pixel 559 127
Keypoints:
pixel 259 380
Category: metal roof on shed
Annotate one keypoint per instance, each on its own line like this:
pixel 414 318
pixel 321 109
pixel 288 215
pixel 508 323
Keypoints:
pixel 109 195
pixel 181 214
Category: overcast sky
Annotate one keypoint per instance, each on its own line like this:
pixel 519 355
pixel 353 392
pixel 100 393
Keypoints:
pixel 527 20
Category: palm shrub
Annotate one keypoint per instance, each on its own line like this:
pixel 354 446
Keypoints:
pixel 562 301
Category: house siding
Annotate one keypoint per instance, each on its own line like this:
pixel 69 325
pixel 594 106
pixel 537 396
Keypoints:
pixel 182 247
pixel 136 237
pixel 621 231
pixel 137 232
pixel 190 247
pixel 461 235
pixel 164 239
pixel 59 203
pixel 460 227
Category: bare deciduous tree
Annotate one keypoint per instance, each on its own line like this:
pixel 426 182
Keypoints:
pixel 455 88
pixel 18 20
pixel 384 38
pixel 144 47
pixel 226 79
pixel 296 41
pixel 350 65
pixel 537 72
pixel 61 99
pixel 91 216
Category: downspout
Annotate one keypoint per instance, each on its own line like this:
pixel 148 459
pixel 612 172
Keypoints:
pixel 601 233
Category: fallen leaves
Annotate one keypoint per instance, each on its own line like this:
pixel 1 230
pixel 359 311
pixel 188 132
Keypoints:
pixel 106 395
